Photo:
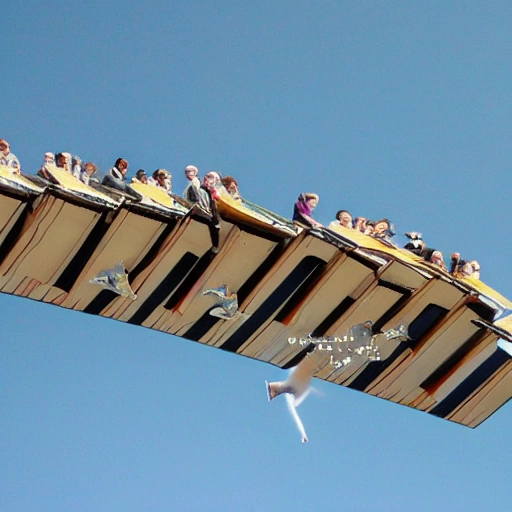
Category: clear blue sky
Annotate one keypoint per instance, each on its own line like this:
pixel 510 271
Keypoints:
pixel 389 109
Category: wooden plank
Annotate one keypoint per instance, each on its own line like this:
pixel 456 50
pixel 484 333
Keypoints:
pixel 434 291
pixel 464 368
pixel 191 237
pixel 404 275
pixel 442 344
pixel 370 306
pixel 127 239
pixel 240 256
pixel 276 288
pixel 487 400
pixel 10 211
pixel 342 277
pixel 55 233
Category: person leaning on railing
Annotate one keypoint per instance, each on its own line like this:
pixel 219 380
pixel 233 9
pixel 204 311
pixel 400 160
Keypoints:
pixel 418 247
pixel 303 210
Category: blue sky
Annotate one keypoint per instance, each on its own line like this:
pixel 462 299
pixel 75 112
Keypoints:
pixel 389 109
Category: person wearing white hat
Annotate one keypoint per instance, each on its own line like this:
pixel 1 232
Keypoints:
pixel 191 190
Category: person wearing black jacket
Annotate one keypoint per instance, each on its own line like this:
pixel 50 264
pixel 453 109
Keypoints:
pixel 116 178
pixel 418 247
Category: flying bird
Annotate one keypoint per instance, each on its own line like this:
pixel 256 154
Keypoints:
pixel 295 388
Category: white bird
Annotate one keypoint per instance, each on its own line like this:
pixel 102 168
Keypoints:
pixel 296 388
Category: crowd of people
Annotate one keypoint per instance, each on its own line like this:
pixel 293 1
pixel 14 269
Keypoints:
pixel 384 230
pixel 205 192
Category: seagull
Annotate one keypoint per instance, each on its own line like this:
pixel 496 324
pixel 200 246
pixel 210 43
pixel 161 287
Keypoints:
pixel 296 388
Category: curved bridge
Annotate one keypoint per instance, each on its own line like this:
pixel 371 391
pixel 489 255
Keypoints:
pixel 454 362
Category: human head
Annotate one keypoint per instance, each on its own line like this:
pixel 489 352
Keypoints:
pixel 381 227
pixel 476 269
pixel 230 184
pixel 4 147
pixel 163 177
pixel 69 159
pixel 437 258
pixel 76 160
pixel 49 158
pixel 160 172
pixel 360 223
pixel 141 176
pixel 62 160
pixel 191 172
pixel 211 179
pixel 90 168
pixel 311 199
pixel 122 165
pixel 345 218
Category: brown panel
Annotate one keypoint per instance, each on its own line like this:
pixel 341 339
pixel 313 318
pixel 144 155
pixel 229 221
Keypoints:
pixel 223 330
pixel 372 302
pixel 191 236
pixel 346 375
pixel 55 296
pixel 443 342
pixel 299 249
pixel 26 286
pixel 10 210
pixel 468 364
pixel 370 306
pixel 343 276
pixel 416 395
pixel 127 239
pixel 486 400
pixel 403 275
pixel 423 401
pixel 240 256
pixel 53 236
pixel 434 291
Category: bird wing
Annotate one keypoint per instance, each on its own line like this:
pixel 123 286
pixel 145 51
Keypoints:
pixel 295 415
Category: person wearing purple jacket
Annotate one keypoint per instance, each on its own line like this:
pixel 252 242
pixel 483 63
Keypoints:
pixel 303 210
